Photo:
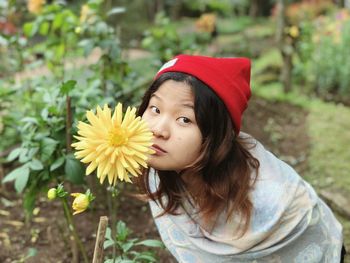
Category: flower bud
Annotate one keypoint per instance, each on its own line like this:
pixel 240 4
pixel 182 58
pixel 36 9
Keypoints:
pixel 51 194
pixel 80 203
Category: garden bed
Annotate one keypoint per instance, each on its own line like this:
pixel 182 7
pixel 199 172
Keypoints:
pixel 286 137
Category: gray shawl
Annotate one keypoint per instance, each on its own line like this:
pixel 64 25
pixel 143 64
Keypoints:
pixel 289 223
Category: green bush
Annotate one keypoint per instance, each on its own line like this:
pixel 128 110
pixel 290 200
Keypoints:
pixel 323 50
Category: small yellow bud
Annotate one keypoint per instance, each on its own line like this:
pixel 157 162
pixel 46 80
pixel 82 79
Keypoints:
pixel 80 203
pixel 51 194
pixel 294 31
pixel 78 30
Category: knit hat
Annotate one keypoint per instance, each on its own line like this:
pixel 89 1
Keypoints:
pixel 229 78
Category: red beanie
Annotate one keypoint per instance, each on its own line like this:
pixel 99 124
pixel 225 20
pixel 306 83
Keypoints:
pixel 229 78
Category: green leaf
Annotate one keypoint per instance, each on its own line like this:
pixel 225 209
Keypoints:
pixel 14 174
pixel 68 86
pixel 126 246
pixel 23 157
pixel 122 231
pixel 108 243
pixel 57 22
pixel 151 243
pixel 57 163
pixel 59 51
pixel 116 10
pixel 47 147
pixel 32 151
pixel 22 180
pixel 30 196
pixel 31 252
pixel 20 176
pixel 148 257
pixel 36 165
pixel 30 120
pixel 88 45
pixel 14 154
pixel 30 29
pixel 44 28
pixel 74 171
pixel 3 41
pixel 108 234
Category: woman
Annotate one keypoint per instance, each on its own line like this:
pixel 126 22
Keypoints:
pixel 216 194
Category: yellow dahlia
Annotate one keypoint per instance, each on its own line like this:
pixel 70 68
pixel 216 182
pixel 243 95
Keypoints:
pixel 81 202
pixel 116 146
pixel 35 6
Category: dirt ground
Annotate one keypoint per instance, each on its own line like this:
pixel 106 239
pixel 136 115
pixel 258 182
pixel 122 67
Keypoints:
pixel 280 127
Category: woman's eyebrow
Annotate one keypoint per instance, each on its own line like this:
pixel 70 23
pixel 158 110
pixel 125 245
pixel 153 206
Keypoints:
pixel 155 96
pixel 187 105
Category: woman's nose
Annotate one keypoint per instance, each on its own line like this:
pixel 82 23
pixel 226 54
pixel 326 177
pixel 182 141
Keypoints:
pixel 160 130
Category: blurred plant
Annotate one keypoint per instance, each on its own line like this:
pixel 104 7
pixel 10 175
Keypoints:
pixel 114 74
pixel 31 252
pixel 223 7
pixel 323 51
pixel 35 6
pixel 207 23
pixel 164 40
pixel 125 246
pixel 56 23
pixel 12 43
pixel 307 10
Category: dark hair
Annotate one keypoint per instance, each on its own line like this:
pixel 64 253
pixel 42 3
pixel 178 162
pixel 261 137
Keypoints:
pixel 222 174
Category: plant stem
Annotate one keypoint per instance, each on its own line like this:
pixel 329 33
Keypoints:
pixel 68 124
pixel 73 230
pixel 111 212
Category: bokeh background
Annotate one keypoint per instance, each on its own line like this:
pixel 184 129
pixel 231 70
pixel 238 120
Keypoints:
pixel 61 58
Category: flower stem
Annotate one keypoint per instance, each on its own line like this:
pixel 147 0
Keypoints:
pixel 73 230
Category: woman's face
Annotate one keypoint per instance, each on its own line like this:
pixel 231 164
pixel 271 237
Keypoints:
pixel 170 116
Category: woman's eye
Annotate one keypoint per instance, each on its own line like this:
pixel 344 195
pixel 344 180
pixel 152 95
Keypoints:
pixel 184 120
pixel 154 109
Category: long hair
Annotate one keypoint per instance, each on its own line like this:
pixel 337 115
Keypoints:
pixel 223 173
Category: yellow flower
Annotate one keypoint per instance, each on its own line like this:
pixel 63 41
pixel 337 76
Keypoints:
pixel 84 13
pixel 294 31
pixel 206 23
pixel 80 203
pixel 51 194
pixel 35 6
pixel 113 145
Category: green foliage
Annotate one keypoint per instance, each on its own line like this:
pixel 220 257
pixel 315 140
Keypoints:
pixel 223 7
pixel 323 51
pixel 234 25
pixel 126 246
pixel 57 24
pixel 164 40
pixel 114 76
pixel 36 113
pixel 267 67
pixel 42 153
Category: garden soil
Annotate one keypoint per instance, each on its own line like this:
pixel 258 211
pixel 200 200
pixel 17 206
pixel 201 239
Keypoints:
pixel 279 126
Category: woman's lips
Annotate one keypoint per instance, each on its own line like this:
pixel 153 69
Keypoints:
pixel 158 149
